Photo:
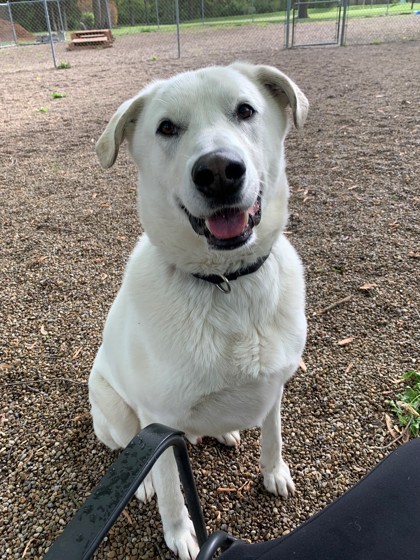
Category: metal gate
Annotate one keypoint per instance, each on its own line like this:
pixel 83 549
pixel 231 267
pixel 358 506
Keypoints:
pixel 315 22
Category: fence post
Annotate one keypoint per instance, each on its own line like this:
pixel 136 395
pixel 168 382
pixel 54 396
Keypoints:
pixel 12 23
pixel 287 34
pixel 157 13
pixel 344 24
pixel 177 27
pixel 60 15
pixel 108 14
pixel 47 19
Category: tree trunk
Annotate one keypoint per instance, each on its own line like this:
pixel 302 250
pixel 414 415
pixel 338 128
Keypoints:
pixel 100 14
pixel 303 10
pixel 146 12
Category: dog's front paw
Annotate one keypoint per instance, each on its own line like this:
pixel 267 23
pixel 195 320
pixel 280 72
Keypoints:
pixel 278 480
pixel 182 541
pixel 231 439
pixel 146 490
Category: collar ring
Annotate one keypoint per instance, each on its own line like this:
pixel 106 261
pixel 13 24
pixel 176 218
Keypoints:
pixel 224 284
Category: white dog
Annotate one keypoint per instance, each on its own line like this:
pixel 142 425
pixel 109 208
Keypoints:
pixel 209 323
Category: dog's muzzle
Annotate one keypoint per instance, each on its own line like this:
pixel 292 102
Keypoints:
pixel 219 176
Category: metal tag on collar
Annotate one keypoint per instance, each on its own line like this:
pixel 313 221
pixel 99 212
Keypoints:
pixel 224 284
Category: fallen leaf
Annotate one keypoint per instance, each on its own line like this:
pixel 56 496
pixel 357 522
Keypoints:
pixel 37 260
pixel 127 516
pixel 408 408
pixel 390 427
pixel 414 255
pixel 345 341
pixel 83 416
pixel 302 366
pixel 367 286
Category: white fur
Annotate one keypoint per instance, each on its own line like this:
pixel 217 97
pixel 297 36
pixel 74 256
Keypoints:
pixel 175 349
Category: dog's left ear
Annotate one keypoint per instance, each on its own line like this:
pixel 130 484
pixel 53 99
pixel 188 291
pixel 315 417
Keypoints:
pixel 117 129
pixel 281 87
pixel 121 126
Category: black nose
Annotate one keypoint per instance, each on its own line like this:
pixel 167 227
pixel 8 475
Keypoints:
pixel 219 174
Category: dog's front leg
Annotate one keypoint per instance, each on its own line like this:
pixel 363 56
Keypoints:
pixel 275 471
pixel 177 525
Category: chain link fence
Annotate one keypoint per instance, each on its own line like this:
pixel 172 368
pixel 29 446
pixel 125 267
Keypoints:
pixel 150 29
pixel 375 22
pixel 348 22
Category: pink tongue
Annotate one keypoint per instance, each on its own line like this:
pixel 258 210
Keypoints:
pixel 227 224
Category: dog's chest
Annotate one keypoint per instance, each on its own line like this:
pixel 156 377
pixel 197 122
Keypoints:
pixel 194 352
pixel 218 344
pixel 230 380
pixel 225 379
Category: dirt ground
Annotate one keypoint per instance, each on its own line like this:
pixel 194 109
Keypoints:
pixel 67 228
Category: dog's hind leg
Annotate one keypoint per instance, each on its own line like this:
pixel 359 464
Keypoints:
pixel 115 423
pixel 231 439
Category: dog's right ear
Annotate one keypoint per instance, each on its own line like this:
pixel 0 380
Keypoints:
pixel 119 128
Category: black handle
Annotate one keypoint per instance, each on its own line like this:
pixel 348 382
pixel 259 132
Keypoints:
pixel 92 521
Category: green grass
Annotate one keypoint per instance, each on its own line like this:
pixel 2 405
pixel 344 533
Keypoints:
pixel 315 14
pixel 406 405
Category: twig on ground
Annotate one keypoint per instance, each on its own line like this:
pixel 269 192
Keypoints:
pixel 334 305
pixel 31 540
pixel 403 433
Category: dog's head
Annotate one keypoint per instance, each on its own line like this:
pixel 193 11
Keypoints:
pixel 209 148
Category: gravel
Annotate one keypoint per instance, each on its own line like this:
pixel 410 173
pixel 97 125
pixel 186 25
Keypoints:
pixel 68 228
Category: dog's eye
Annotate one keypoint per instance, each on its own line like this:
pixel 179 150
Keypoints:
pixel 245 111
pixel 168 128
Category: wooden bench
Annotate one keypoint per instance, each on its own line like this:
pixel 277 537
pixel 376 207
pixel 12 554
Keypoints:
pixel 90 38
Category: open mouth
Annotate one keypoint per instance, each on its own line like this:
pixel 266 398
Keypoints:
pixel 228 228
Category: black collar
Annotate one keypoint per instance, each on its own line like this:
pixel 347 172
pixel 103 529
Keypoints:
pixel 222 281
